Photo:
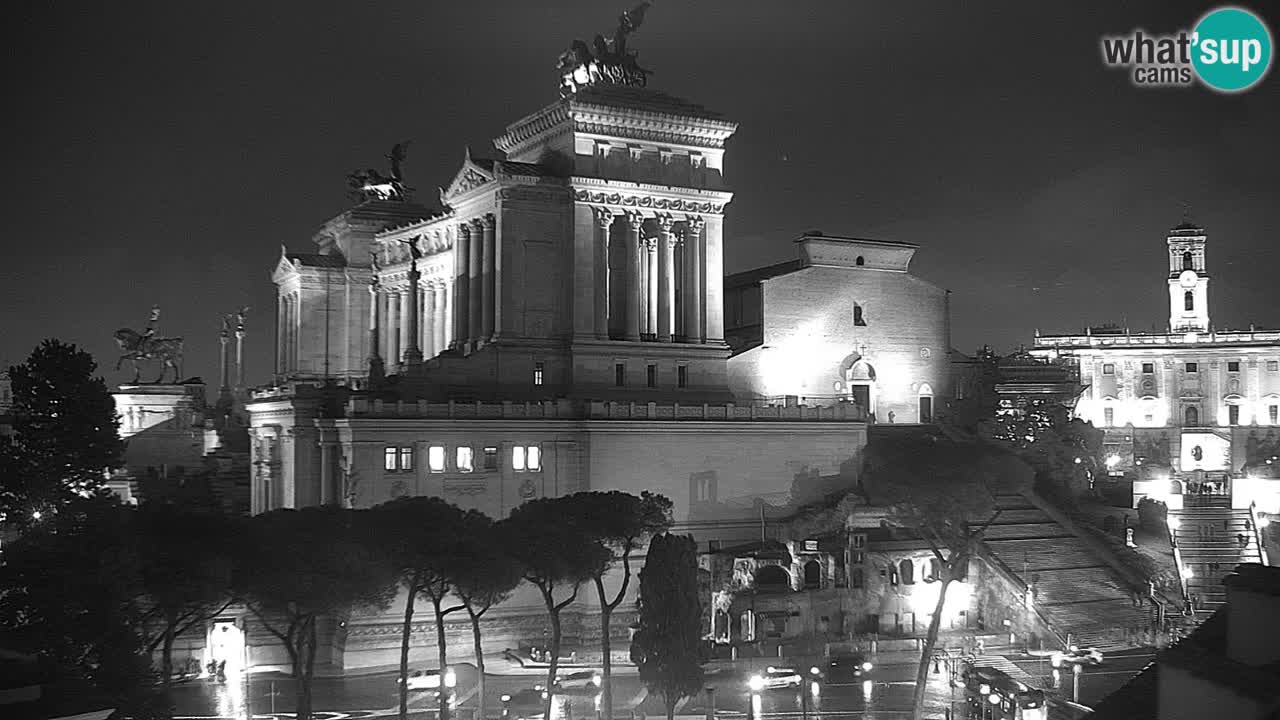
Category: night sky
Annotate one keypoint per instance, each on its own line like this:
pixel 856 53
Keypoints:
pixel 160 153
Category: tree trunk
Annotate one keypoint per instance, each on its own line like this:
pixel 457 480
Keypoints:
pixel 555 652
pixel 475 638
pixel 671 699
pixel 307 657
pixel 405 632
pixel 443 653
pixel 606 663
pixel 166 655
pixel 926 653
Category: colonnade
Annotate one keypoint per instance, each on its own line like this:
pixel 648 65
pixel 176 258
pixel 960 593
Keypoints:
pixel 446 311
pixel 657 293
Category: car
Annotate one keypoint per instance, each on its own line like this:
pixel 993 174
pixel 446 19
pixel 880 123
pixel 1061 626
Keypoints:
pixel 584 679
pixel 847 668
pixel 1076 656
pixel 527 704
pixel 775 678
pixel 430 680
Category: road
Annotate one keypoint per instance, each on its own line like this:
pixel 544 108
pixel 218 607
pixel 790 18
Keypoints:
pixel 1095 682
pixel 887 695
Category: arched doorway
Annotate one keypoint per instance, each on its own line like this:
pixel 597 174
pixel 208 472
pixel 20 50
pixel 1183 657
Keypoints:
pixel 859 381
pixel 812 575
pixel 1191 416
pixel 772 578
pixel 1175 487
pixel 925 401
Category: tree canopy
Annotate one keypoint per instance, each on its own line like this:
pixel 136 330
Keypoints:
pixel 65 433
pixel 667 647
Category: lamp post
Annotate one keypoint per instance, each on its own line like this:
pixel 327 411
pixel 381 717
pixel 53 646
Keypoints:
pixel 1075 682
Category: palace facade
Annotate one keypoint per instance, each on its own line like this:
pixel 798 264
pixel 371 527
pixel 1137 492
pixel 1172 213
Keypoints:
pixel 1192 404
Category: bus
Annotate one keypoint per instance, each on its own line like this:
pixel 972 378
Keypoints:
pixel 990 694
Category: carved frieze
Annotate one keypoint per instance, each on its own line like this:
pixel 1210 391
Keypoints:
pixel 648 202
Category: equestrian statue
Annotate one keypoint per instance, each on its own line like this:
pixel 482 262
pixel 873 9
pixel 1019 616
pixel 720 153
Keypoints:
pixel 136 346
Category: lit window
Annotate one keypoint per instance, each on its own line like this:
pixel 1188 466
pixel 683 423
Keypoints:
pixel 1273 413
pixel 619 374
pixel 435 458
pixel 1233 366
pixel 1192 367
pixel 1109 369
pixel 533 458
pixel 651 375
pixel 491 458
pixel 682 376
pixel 406 458
pixel 811 546
pixel 517 458
pixel 1148 368
pixel 859 541
pixel 857 558
pixel 464 459
pixel 537 373
pixel 389 459
pixel 1108 416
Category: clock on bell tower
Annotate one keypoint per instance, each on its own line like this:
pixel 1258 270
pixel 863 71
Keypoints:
pixel 1188 280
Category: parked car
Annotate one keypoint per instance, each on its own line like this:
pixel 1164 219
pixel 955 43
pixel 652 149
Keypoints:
pixel 585 679
pixel 1076 656
pixel 431 680
pixel 847 668
pixel 524 704
pixel 775 678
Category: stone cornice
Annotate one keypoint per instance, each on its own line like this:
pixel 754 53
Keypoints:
pixel 550 120
pixel 651 126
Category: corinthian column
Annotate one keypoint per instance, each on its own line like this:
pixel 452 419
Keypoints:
pixel 651 287
pixel 412 353
pixel 439 334
pixel 461 285
pixel 488 274
pixel 634 274
pixel 693 293
pixel 429 347
pixel 475 307
pixel 666 271
pixel 600 258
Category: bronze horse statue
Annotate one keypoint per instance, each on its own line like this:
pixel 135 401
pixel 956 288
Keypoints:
pixel 135 346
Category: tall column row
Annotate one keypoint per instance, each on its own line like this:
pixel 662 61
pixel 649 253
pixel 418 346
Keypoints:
pixel 476 298
pixel 659 288
pixel 394 311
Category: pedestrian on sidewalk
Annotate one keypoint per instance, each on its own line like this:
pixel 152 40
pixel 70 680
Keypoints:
pixel 1240 538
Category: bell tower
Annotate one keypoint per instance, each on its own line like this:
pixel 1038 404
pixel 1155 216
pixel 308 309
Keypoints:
pixel 1188 280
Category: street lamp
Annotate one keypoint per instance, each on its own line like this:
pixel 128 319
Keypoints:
pixel 1075 682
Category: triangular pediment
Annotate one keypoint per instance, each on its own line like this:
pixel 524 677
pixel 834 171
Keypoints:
pixel 284 267
pixel 469 177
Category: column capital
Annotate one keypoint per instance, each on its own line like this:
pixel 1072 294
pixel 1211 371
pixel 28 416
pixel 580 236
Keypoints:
pixel 604 216
pixel 666 223
pixel 477 224
pixel 465 228
pixel 694 223
pixel 488 220
pixel 635 219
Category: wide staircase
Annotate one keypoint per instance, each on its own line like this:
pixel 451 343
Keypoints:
pixel 1212 539
pixel 1074 589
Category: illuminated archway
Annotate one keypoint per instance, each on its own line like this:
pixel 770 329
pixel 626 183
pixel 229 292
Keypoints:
pixel 859 381
pixel 225 644
pixel 925 403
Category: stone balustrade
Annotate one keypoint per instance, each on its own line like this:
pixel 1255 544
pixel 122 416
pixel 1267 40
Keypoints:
pixel 599 410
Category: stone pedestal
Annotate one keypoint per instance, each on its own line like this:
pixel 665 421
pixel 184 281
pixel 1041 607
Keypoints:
pixel 163 424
